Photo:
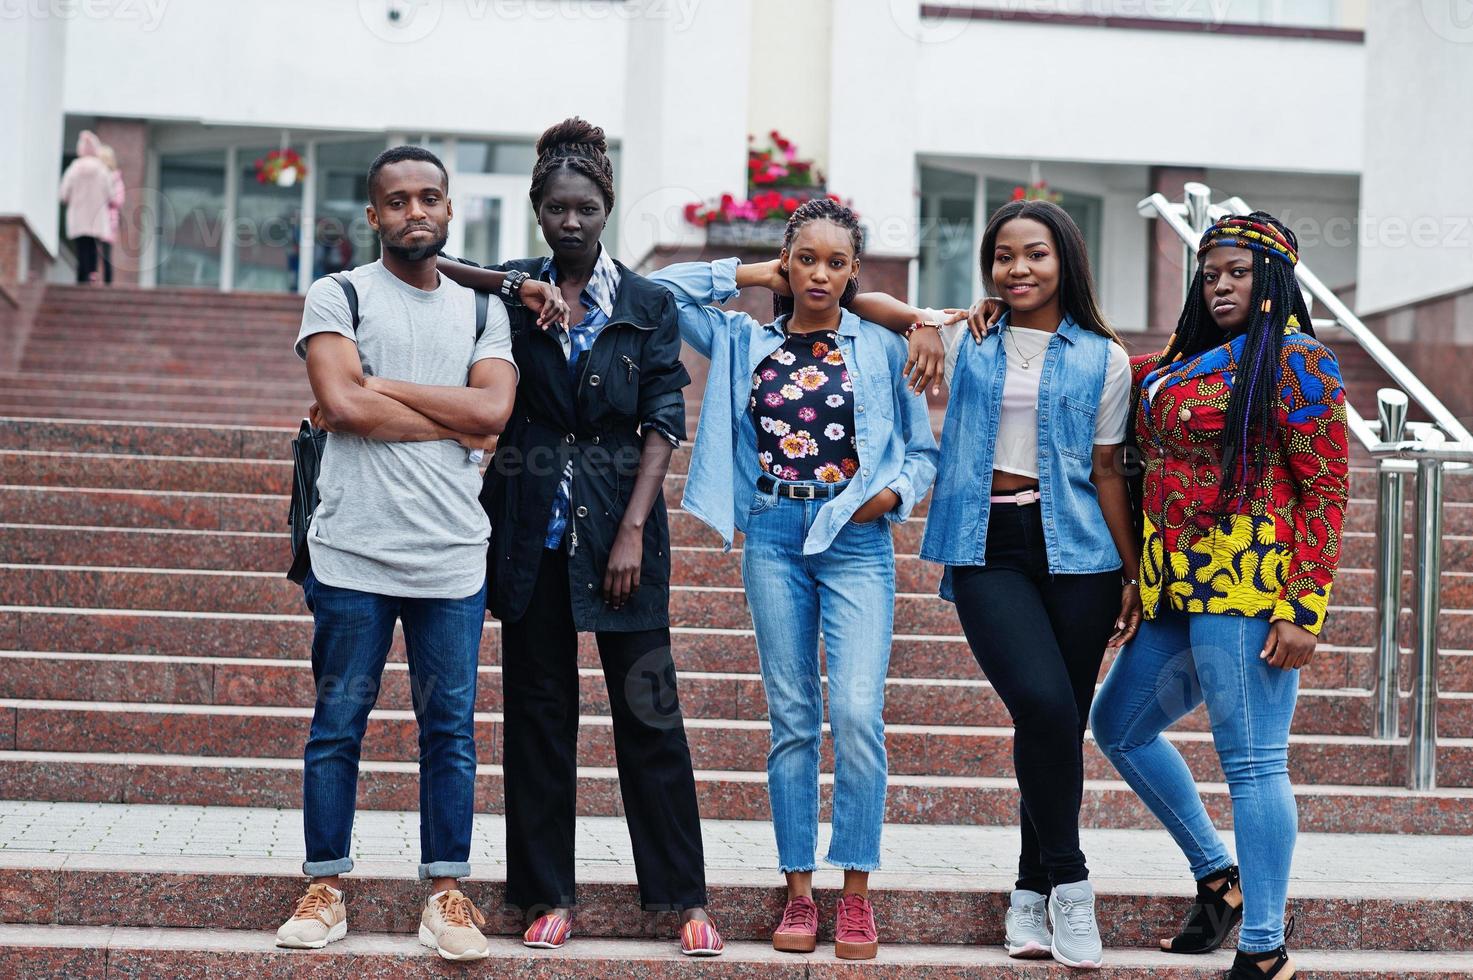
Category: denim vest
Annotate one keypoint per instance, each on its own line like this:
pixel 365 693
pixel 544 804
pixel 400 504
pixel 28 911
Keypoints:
pixel 1070 386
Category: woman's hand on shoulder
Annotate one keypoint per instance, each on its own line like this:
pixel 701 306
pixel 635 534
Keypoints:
pixel 984 315
pixel 925 363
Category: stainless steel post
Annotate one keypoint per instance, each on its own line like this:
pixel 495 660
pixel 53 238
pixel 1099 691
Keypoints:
pixel 1390 499
pixel 1426 604
pixel 1199 203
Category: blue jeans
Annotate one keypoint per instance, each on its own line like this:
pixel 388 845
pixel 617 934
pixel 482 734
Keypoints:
pixel 350 643
pixel 1175 663
pixel 848 592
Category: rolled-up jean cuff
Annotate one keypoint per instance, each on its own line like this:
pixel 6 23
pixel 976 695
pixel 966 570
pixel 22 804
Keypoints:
pixel 326 869
pixel 797 869
pixel 865 866
pixel 445 869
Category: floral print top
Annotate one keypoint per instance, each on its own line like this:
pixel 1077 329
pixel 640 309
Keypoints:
pixel 802 404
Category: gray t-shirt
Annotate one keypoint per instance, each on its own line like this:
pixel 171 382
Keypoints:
pixel 402 518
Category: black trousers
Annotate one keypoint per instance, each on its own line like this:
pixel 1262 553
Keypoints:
pixel 87 255
pixel 105 257
pixel 1040 639
pixel 539 754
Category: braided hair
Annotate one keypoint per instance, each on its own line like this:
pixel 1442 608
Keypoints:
pixel 821 209
pixel 577 145
pixel 1252 413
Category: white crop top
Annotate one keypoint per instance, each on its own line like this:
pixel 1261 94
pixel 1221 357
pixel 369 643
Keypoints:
pixel 1017 430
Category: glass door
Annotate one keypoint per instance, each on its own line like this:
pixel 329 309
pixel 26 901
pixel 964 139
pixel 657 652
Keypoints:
pixel 492 218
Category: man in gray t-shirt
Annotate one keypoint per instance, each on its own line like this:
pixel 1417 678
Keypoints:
pixel 399 535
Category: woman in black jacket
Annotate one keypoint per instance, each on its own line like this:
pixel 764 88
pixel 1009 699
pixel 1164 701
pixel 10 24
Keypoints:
pixel 580 542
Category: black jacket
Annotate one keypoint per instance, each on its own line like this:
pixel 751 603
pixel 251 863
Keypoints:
pixel 630 380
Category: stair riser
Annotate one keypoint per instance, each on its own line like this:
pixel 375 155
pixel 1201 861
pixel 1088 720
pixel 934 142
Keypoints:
pixel 271 553
pixel 241 900
pixel 39 728
pixel 702 696
pixel 721 796
pixel 698 650
pixel 692 607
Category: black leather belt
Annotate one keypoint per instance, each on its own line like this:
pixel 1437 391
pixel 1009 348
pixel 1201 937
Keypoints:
pixel 800 491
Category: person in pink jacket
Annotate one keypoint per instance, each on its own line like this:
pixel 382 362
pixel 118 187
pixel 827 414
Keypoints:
pixel 114 211
pixel 86 190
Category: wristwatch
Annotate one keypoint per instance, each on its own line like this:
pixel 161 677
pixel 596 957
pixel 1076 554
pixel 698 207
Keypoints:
pixel 511 287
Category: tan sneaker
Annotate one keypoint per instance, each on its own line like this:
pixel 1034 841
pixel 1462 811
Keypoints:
pixel 321 918
pixel 448 926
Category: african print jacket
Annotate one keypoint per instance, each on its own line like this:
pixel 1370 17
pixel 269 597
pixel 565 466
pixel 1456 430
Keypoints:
pixel 1275 557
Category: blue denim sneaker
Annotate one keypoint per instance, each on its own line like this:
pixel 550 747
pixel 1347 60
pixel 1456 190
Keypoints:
pixel 1071 911
pixel 1027 926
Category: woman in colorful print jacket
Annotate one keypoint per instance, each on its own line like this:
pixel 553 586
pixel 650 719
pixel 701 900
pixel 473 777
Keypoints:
pixel 1241 425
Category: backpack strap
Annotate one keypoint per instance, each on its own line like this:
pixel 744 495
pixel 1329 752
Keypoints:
pixel 483 302
pixel 350 292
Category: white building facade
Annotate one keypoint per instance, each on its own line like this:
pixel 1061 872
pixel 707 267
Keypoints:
pixel 925 116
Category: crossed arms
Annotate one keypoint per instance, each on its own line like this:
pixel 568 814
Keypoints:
pixel 400 411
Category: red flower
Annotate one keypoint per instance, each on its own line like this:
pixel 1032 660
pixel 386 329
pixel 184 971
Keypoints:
pixel 790 203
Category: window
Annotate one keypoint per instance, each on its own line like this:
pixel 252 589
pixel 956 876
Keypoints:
pixel 1085 209
pixel 191 228
pixel 342 237
pixel 948 238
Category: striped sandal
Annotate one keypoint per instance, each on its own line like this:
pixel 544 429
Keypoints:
pixel 700 938
pixel 550 931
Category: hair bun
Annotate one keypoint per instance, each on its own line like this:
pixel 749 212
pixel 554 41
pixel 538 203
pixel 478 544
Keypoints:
pixel 573 136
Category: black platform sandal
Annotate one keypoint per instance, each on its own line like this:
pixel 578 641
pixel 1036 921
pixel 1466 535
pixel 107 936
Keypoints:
pixel 1211 918
pixel 1253 966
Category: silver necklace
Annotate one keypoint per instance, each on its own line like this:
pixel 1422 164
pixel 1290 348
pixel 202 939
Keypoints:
pixel 1025 361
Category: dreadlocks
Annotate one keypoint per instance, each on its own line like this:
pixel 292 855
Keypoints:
pixel 821 209
pixel 1252 413
pixel 575 145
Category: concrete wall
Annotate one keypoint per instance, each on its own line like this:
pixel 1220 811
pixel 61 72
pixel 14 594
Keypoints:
pixel 789 91
pixel 1416 220
pixel 450 65
pixel 31 56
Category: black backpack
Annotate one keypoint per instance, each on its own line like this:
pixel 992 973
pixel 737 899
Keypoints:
pixel 310 444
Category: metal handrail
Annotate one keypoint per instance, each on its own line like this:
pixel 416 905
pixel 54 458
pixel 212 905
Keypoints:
pixel 1431 450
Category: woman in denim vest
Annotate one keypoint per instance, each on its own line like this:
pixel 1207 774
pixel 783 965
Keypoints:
pixel 1031 517
pixel 811 445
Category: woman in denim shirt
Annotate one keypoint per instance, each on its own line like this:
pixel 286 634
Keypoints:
pixel 810 444
pixel 1031 517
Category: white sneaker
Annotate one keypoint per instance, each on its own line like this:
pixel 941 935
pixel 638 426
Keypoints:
pixel 448 926
pixel 321 918
pixel 1071 911
pixel 1027 926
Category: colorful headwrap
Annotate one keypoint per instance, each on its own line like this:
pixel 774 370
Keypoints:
pixel 1246 233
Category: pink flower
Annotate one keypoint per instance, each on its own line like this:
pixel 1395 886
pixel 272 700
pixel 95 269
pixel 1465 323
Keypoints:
pixel 807 414
pixel 773 399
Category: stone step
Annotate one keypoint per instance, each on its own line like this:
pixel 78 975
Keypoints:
pixel 157 509
pixel 192 780
pixel 716 744
pixel 79 889
pixel 268 594
pixel 248 682
pixel 141 411
pixel 173 634
pixel 236 511
pixel 106 951
pixel 125 298
pixel 80 544
pixel 61 383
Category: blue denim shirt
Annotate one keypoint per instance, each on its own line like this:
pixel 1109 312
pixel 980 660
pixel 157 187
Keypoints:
pixel 892 426
pixel 1070 386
